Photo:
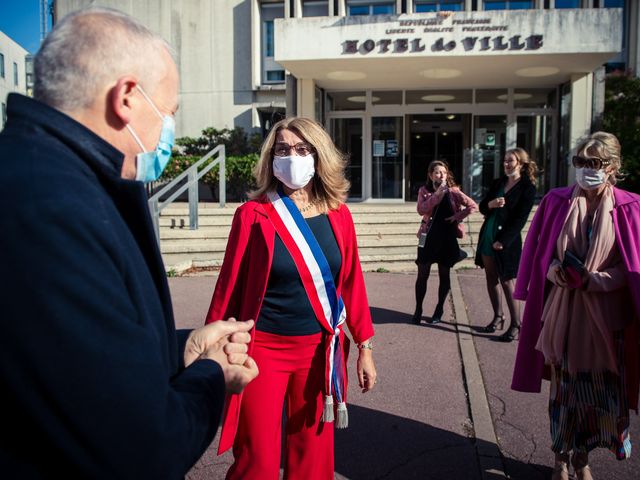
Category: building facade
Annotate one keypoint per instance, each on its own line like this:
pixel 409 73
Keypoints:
pixel 13 77
pixel 398 83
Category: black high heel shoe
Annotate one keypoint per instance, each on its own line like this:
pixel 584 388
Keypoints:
pixel 510 335
pixel 436 317
pixel 417 317
pixel 496 324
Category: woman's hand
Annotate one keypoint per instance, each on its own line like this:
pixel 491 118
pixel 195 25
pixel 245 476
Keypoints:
pixel 366 370
pixel 556 274
pixel 497 246
pixel 496 203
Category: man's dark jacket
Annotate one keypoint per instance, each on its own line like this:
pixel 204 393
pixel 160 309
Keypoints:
pixel 91 382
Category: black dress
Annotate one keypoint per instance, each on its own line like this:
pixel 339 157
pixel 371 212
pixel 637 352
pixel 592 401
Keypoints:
pixel 442 244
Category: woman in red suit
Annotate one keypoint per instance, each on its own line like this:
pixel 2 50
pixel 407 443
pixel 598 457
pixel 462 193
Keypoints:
pixel 292 265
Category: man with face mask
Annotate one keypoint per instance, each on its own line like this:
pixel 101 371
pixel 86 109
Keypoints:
pixel 95 380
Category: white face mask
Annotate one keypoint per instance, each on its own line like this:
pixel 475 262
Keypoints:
pixel 514 173
pixel 590 178
pixel 294 171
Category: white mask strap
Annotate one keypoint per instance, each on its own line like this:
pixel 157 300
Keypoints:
pixel 150 101
pixel 136 138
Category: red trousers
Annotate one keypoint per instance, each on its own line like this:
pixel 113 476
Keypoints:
pixel 291 369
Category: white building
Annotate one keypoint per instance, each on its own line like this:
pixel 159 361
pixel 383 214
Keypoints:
pixel 12 72
pixel 399 83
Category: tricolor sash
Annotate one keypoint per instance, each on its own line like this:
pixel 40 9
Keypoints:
pixel 318 283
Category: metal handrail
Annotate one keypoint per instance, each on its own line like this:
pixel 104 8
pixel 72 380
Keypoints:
pixel 193 175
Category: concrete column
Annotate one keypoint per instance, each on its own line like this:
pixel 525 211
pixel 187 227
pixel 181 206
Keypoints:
pixel 342 8
pixel 291 95
pixel 468 5
pixel 297 8
pixel 581 108
pixel 287 9
pixel 409 7
pixel 511 139
pixel 399 7
pixel 633 44
pixel 306 98
pixel 256 49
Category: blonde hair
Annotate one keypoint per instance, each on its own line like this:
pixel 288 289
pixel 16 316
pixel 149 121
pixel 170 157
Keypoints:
pixel 330 187
pixel 451 182
pixel 527 165
pixel 605 147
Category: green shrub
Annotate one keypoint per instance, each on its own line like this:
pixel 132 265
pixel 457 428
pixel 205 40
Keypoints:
pixel 239 176
pixel 622 118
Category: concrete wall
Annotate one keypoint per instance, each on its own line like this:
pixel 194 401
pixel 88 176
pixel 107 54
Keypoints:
pixel 212 41
pixel 12 53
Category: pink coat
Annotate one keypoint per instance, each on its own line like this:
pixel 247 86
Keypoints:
pixel 532 281
pixel 462 205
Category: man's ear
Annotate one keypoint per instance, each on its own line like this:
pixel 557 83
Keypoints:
pixel 122 98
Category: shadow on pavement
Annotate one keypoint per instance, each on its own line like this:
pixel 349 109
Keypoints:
pixel 379 445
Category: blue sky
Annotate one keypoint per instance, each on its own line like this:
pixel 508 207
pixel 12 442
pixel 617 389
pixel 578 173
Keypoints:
pixel 20 20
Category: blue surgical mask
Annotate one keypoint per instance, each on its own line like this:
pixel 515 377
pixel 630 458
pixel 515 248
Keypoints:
pixel 150 165
pixel 590 178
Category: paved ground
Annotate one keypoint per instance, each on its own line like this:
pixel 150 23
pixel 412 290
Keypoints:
pixel 417 423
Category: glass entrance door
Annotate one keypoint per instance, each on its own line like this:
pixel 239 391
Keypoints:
pixel 489 147
pixel 433 137
pixel 387 166
pixel 347 135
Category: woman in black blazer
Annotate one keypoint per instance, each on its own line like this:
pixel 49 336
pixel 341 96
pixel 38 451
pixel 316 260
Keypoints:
pixel 506 208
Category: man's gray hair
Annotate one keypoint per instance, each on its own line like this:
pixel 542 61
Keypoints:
pixel 90 49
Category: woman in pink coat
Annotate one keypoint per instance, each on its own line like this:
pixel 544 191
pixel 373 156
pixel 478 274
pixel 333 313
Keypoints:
pixel 443 207
pixel 580 276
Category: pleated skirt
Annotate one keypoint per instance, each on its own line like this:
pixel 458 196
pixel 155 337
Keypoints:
pixel 588 410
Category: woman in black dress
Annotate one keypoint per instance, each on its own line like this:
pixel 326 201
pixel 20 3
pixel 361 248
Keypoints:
pixel 506 208
pixel 443 207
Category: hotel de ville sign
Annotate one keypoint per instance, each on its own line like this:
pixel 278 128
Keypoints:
pixel 470 34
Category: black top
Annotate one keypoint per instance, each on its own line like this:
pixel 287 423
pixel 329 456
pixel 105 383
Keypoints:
pixel 442 244
pixel 286 309
pixel 90 374
pixel 509 220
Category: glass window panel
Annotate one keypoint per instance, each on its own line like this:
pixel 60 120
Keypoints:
pixel 315 9
pixel 383 97
pixel 340 101
pixel 437 5
pixel 491 5
pixel 358 10
pixel 387 163
pixel 382 9
pixel 568 3
pixel 438 96
pixel 1 65
pixel 508 5
pixel 534 97
pixel 15 74
pixel 347 135
pixel 488 151
pixel 534 135
pixel 268 38
pixel 614 3
pixel 492 96
pixel 275 75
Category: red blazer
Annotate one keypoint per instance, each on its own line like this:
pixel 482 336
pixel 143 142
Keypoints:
pixel 245 272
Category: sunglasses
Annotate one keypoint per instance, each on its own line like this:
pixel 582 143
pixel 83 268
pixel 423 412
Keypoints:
pixel 594 163
pixel 282 149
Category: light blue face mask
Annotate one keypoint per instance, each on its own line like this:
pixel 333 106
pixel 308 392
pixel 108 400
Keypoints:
pixel 150 165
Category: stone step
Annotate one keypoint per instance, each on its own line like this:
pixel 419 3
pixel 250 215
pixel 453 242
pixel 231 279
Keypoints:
pixel 386 236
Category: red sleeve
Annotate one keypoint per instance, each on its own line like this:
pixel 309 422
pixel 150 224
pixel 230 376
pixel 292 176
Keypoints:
pixel 225 303
pixel 354 292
